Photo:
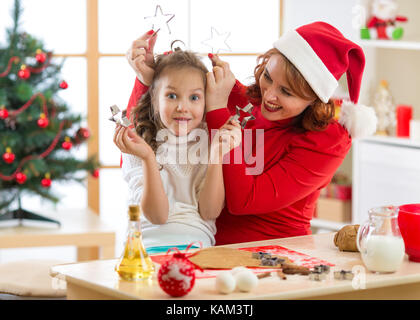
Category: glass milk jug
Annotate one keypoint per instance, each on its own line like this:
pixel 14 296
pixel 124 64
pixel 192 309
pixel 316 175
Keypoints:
pixel 380 242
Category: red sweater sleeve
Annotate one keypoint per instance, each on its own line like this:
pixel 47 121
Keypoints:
pixel 138 90
pixel 311 160
pixel 217 118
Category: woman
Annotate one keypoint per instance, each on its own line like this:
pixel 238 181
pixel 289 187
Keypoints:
pixel 303 145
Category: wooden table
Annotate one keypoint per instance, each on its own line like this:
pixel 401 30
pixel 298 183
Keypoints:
pixel 80 228
pixel 98 280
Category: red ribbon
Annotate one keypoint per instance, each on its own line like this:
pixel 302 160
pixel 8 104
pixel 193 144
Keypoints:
pixel 181 255
pixel 9 66
pixel 41 156
pixel 27 104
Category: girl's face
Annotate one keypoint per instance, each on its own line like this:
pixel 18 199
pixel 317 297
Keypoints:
pixel 278 101
pixel 180 99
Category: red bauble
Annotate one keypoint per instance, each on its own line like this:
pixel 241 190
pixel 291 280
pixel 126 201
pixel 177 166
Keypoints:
pixel 67 144
pixel 46 182
pixel 177 276
pixel 64 85
pixel 8 156
pixel 3 113
pixel 95 173
pixel 40 56
pixel 43 121
pixel 24 73
pixel 20 178
pixel 83 133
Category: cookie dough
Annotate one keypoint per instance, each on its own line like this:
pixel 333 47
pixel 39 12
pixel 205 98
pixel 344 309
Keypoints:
pixel 345 239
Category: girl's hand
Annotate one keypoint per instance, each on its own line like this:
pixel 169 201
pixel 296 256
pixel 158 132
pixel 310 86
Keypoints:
pixel 130 142
pixel 141 59
pixel 226 139
pixel 219 84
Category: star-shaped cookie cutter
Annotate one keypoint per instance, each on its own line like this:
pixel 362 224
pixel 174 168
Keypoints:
pixel 119 116
pixel 159 20
pixel 248 109
pixel 217 41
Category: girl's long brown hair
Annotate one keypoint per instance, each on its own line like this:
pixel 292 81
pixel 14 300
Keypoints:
pixel 316 116
pixel 145 116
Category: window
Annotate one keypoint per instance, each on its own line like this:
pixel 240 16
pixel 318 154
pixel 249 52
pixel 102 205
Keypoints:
pixel 65 29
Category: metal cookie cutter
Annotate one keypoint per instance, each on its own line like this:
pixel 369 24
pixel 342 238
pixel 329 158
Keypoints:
pixel 317 276
pixel 260 255
pixel 343 275
pixel 319 273
pixel 119 116
pixel 322 268
pixel 271 261
pixel 248 109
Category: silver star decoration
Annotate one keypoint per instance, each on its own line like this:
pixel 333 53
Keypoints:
pixel 159 20
pixel 217 41
pixel 119 117
pixel 248 109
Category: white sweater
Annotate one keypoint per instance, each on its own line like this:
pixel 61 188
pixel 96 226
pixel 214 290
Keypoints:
pixel 184 166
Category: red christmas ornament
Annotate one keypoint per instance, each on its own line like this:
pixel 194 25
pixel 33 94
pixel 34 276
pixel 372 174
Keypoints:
pixel 46 182
pixel 40 56
pixel 8 156
pixel 177 276
pixel 24 72
pixel 64 85
pixel 43 121
pixel 3 112
pixel 20 178
pixel 67 144
pixel 81 135
pixel 95 173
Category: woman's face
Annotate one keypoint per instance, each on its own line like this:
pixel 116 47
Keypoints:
pixel 180 99
pixel 278 100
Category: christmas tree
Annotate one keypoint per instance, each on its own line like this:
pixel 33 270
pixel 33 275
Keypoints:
pixel 37 128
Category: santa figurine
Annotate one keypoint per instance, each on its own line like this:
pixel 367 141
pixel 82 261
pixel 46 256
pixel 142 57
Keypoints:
pixel 381 25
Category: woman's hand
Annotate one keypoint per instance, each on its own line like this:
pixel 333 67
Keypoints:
pixel 129 142
pixel 228 137
pixel 219 84
pixel 141 59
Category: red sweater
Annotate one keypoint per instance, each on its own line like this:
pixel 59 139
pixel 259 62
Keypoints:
pixel 280 201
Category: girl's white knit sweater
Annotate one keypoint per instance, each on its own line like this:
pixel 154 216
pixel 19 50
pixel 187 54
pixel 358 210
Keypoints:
pixel 184 165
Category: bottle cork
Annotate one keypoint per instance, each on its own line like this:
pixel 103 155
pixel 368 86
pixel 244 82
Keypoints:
pixel 134 212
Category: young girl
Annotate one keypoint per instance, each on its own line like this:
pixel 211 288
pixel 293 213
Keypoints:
pixel 159 161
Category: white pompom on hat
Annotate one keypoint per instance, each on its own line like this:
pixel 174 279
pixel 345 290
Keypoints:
pixel 359 120
pixel 322 55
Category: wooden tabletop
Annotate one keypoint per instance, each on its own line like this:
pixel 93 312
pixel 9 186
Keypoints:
pixel 99 276
pixel 80 227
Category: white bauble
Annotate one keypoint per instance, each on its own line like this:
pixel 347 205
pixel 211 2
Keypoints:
pixel 246 280
pixel 238 269
pixel 225 282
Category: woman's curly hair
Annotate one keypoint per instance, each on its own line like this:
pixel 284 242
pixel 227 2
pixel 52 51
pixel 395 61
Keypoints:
pixel 145 116
pixel 317 115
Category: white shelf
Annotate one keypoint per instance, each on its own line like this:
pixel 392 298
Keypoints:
pixel 396 141
pixel 329 225
pixel 392 44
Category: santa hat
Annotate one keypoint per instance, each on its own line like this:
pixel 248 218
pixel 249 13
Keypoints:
pixel 322 55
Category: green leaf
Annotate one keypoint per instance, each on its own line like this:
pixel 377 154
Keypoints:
pixel 48 94
pixel 24 91
pixel 3 97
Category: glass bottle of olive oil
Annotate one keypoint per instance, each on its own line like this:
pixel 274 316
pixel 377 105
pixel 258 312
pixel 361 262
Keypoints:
pixel 135 263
